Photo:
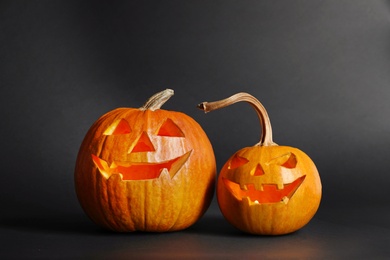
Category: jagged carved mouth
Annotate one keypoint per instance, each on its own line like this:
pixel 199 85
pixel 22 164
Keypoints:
pixel 140 170
pixel 266 193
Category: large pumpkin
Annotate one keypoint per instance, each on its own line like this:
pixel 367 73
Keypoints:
pixel 145 169
pixel 266 189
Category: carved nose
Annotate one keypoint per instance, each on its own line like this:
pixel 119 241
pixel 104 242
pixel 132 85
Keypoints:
pixel 258 171
pixel 143 144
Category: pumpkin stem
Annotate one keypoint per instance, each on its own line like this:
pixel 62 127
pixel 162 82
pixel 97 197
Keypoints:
pixel 157 100
pixel 266 130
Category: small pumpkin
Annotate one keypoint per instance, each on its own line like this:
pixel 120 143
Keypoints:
pixel 145 169
pixel 266 189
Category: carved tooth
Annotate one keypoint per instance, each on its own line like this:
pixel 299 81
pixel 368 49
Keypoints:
pixel 258 186
pixel 165 174
pixel 280 186
pixel 243 186
pixel 257 202
pixel 285 200
pixel 113 165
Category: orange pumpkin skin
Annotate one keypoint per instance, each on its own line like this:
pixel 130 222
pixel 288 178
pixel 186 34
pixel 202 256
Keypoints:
pixel 266 189
pixel 134 172
pixel 265 193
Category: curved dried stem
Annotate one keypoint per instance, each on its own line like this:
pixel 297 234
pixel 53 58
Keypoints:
pixel 266 130
pixel 157 100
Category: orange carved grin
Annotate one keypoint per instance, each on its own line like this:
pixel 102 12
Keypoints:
pixel 268 193
pixel 140 170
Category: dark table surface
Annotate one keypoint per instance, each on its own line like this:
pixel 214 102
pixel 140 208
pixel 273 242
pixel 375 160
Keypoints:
pixel 338 233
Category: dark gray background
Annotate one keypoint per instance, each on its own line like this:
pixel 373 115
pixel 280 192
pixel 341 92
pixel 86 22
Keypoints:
pixel 321 69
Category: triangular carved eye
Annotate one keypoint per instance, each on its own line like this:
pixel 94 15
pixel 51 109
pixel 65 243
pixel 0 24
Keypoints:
pixel 169 128
pixel 291 162
pixel 119 127
pixel 237 161
pixel 288 160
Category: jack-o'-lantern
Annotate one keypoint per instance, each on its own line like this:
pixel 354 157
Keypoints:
pixel 266 189
pixel 145 169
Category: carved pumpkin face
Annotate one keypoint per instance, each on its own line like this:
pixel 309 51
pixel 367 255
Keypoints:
pixel 145 157
pixel 274 181
pixel 261 186
pixel 138 169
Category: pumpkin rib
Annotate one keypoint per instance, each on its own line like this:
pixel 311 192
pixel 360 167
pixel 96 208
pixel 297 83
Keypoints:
pixel 129 210
pixel 179 214
pixel 102 207
pixel 159 114
pixel 159 209
pixel 115 223
pixel 198 136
